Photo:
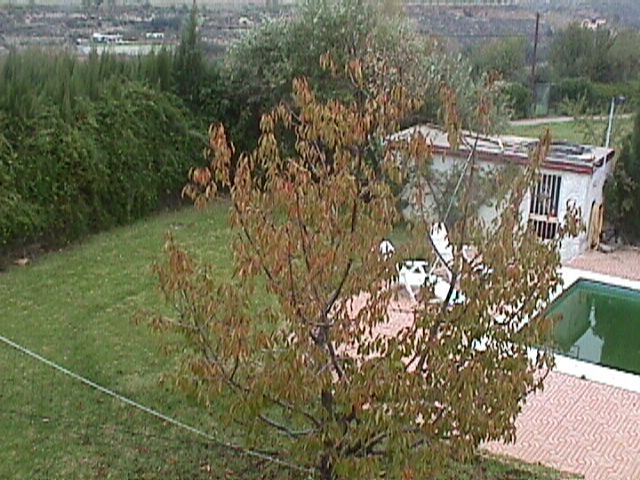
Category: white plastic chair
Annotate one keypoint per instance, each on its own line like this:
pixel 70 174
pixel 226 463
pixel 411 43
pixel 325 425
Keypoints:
pixel 413 274
pixel 440 239
pixel 386 249
pixel 444 250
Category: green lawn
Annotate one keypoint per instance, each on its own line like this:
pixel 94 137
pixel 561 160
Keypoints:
pixel 581 131
pixel 75 308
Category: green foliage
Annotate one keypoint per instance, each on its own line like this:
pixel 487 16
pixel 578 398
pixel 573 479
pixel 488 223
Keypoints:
pixel 599 56
pixel 198 82
pixel 262 66
pixel 319 373
pixel 572 90
pixel 189 66
pixel 156 69
pixel 506 57
pixel 18 217
pixel 86 147
pixel 580 52
pixel 623 190
pixel 595 97
pixel 452 77
pixel 624 57
pixel 519 99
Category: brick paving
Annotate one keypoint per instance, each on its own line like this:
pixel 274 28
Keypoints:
pixel 580 427
pixel 623 263
pixel 573 425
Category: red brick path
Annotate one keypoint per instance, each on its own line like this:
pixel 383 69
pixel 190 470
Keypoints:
pixel 581 427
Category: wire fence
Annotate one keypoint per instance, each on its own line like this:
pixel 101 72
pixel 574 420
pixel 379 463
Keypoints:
pixel 55 426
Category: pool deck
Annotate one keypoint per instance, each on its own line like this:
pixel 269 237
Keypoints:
pixel 579 426
pixel 582 426
pixel 624 263
pixel 589 427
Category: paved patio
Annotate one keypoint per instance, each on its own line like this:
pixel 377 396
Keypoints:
pixel 576 425
pixel 623 263
pixel 581 427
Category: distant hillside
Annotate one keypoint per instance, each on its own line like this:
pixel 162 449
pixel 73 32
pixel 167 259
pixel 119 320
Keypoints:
pixel 616 12
pixel 459 23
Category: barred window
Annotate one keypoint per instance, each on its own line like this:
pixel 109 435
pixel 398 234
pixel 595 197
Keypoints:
pixel 543 208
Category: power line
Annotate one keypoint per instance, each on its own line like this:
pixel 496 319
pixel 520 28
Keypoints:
pixel 151 411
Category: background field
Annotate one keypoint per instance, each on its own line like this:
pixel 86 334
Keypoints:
pixel 587 131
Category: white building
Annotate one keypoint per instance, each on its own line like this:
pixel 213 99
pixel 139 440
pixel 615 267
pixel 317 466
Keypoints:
pixel 570 175
pixel 106 38
pixel 593 23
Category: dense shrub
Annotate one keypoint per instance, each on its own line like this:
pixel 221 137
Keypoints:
pixel 88 146
pixel 572 90
pixel 519 98
pixel 597 96
pixel 623 189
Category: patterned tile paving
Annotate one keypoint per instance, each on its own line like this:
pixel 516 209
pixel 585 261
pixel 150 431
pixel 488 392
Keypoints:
pixel 581 427
pixel 574 425
pixel 621 263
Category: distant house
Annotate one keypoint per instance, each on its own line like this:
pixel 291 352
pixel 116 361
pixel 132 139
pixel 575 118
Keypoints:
pixel 571 174
pixel 593 23
pixel 154 36
pixel 105 38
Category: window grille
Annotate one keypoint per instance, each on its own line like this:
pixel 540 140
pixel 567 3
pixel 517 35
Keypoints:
pixel 543 208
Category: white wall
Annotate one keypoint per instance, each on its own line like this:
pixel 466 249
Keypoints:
pixel 574 189
pixel 580 189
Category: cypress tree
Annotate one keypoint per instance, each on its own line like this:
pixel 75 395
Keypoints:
pixel 624 192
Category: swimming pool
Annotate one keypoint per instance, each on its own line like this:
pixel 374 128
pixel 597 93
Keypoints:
pixel 598 323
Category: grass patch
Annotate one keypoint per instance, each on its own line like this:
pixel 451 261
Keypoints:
pixel 75 308
pixel 491 467
pixel 586 131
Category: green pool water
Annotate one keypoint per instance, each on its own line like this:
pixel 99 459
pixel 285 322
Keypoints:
pixel 600 324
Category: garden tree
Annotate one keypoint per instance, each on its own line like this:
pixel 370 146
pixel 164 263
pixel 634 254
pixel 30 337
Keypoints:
pixel 262 66
pixel 580 52
pixel 198 82
pixel 442 73
pixel 506 57
pixel 624 57
pixel 189 66
pixel 157 68
pixel 623 190
pixel 313 375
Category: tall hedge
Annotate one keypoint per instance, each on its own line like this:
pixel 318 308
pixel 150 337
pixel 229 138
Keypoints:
pixel 597 96
pixel 87 146
pixel 623 189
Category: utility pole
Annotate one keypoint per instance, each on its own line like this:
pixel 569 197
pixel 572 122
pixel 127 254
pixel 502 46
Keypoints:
pixel 533 62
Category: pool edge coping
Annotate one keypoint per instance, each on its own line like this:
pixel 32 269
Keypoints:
pixel 586 370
